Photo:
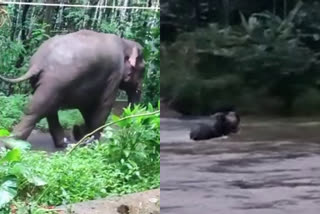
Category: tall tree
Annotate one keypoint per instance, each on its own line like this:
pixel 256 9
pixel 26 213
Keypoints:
pixel 24 29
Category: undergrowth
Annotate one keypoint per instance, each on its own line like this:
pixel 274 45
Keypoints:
pixel 125 160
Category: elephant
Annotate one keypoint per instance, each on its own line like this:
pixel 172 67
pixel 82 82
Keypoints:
pixel 81 70
pixel 222 124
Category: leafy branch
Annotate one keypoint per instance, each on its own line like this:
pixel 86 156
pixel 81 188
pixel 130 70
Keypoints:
pixel 109 124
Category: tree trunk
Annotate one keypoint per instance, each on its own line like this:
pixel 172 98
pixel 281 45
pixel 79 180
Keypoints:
pixel 123 11
pixel 197 10
pixel 96 12
pixel 14 24
pixel 91 13
pixel 49 16
pixel 226 9
pixel 285 6
pixel 23 36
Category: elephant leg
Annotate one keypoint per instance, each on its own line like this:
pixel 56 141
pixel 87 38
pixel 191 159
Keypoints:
pixel 98 119
pixel 97 116
pixel 23 129
pixel 56 131
pixel 79 131
pixel 42 102
pixel 94 118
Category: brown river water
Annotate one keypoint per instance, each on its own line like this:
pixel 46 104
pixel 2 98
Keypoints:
pixel 271 167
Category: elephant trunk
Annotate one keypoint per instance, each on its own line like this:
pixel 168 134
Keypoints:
pixel 133 97
pixel 133 92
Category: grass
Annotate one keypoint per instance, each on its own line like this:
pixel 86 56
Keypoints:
pixel 125 160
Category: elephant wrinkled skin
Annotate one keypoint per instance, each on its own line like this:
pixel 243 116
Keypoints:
pixel 82 70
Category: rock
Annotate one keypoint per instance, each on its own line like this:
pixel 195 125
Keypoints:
pixel 137 203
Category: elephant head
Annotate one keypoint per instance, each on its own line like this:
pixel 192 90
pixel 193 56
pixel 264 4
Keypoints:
pixel 134 70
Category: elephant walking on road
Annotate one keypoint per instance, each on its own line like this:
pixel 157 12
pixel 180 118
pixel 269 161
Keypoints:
pixel 82 70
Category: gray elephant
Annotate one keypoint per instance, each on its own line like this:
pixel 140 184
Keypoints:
pixel 222 124
pixel 82 70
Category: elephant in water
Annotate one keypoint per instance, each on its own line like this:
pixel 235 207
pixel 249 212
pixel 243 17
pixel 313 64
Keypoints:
pixel 222 124
pixel 82 70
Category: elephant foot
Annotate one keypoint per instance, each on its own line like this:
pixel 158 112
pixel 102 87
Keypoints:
pixel 88 141
pixel 79 132
pixel 63 144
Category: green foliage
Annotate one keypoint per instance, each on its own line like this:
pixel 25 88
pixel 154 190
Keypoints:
pixel 15 176
pixel 175 14
pixel 8 190
pixel 9 54
pixel 38 35
pixel 11 110
pixel 151 88
pixel 12 51
pixel 4 132
pixel 135 131
pixel 261 59
pixel 126 160
pixel 307 21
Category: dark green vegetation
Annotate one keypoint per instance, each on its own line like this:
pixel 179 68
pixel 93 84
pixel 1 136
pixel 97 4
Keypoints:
pixel 26 27
pixel 175 14
pixel 126 160
pixel 263 60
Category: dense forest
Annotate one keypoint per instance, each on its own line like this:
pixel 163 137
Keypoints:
pixel 259 56
pixel 25 27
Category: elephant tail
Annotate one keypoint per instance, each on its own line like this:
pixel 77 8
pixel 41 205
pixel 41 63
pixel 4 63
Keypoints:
pixel 31 72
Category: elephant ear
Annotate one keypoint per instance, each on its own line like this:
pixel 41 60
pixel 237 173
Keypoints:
pixel 133 57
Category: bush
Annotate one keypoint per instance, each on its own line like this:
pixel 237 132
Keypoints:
pixel 126 160
pixel 14 57
pixel 264 57
pixel 308 103
pixel 11 110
